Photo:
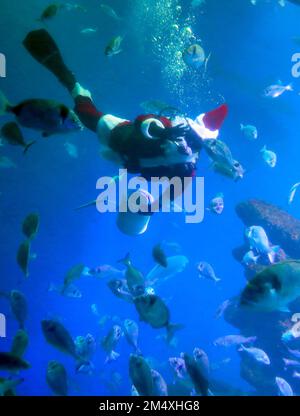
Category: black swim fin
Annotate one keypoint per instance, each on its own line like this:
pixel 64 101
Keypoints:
pixel 43 49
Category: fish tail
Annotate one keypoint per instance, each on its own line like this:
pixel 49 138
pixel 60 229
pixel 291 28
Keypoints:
pixel 4 104
pixel 28 145
pixel 171 329
pixel 264 148
pixel 112 357
pixel 126 261
pixel 290 87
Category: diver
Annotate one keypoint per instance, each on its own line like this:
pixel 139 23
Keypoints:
pixel 151 145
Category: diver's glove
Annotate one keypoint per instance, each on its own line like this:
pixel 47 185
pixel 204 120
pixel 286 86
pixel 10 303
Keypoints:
pixel 169 133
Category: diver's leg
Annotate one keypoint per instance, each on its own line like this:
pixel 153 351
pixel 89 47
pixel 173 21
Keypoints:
pixel 43 49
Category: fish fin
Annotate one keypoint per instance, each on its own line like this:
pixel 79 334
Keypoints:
pixel 5 107
pixel 28 145
pixel 89 204
pixel 263 149
pixel 126 261
pixel 171 329
pixel 290 87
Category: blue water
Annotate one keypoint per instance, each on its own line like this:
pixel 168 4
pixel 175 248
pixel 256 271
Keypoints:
pixel 251 48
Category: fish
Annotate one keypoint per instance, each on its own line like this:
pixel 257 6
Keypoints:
pixel 131 331
pixel 290 363
pixel 23 257
pixel 159 274
pixel 20 343
pixel 10 362
pixel 109 11
pixel 178 365
pixel 217 204
pixel 120 289
pixel 6 163
pixel 114 46
pixel 140 375
pixel 222 308
pixel 233 340
pixel 258 241
pixel 7 386
pixel 69 291
pixel 295 353
pixel 134 392
pixel 153 310
pixel 110 341
pixel 274 288
pixel 59 337
pixel 250 259
pixel 206 271
pixel 276 90
pixel 249 131
pixel 50 12
pixel 159 256
pixel 57 378
pixel 85 349
pixel 202 360
pixel 73 274
pixel 47 116
pixel 13 135
pixel 103 272
pixel 160 387
pixel 269 157
pixel 257 354
pixel 196 374
pixel 194 56
pixel 283 387
pixel 89 31
pixel 18 304
pixel 293 192
pixel 223 161
pixel 30 226
pixel 134 278
pixel 71 149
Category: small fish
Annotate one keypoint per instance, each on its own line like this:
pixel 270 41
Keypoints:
pixel 259 242
pixel 30 225
pixel 131 331
pixel 249 131
pixel 110 341
pixel 290 363
pixel 250 259
pixel 194 56
pixel 293 192
pixel 295 353
pixel 159 255
pixel 71 149
pixel 20 343
pixel 206 271
pixel 269 157
pixel 18 304
pixel 217 204
pixel 109 11
pixel 140 375
pixel 284 388
pixel 6 163
pixel 23 257
pixel 198 377
pixel 85 349
pixel 50 12
pixel 222 308
pixel 10 362
pixel 69 291
pixel 120 289
pixel 89 31
pixel 160 387
pixel 256 353
pixel 13 135
pixel 57 378
pixel 47 116
pixel 58 336
pixel 233 340
pixel 178 365
pixel 135 279
pixel 73 274
pixel 114 46
pixel 275 91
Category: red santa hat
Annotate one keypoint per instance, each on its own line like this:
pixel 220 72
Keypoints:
pixel 207 125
